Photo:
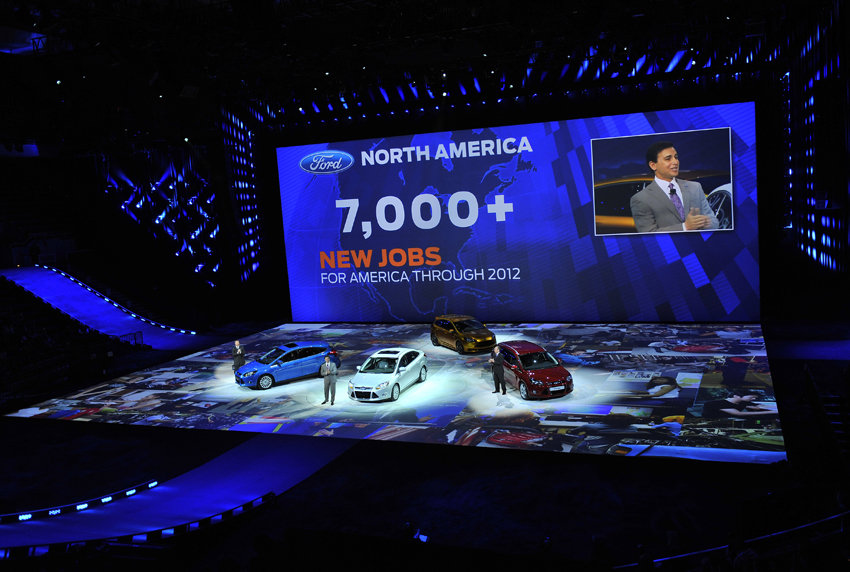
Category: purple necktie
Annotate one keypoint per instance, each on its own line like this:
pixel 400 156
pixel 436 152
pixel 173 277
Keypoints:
pixel 677 201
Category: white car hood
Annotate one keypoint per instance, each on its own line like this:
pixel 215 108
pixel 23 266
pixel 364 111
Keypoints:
pixel 371 379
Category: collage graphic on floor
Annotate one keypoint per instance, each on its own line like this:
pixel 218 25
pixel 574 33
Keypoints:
pixel 690 391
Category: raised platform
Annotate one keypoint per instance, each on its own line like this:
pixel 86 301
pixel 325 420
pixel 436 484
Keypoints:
pixel 610 411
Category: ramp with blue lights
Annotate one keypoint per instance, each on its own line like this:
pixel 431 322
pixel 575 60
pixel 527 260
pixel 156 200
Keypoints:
pixel 99 312
pixel 261 465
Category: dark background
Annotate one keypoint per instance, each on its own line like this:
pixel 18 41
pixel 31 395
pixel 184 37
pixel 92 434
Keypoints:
pixel 102 86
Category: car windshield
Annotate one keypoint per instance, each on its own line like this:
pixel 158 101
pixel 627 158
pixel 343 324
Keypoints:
pixel 379 365
pixel 271 356
pixel 537 360
pixel 469 326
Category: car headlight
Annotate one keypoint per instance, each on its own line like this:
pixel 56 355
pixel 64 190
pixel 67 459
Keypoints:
pixel 248 373
pixel 350 386
pixel 381 385
pixel 535 382
pixel 468 340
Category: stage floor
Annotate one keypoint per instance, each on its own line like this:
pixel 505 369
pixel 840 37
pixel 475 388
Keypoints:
pixel 605 414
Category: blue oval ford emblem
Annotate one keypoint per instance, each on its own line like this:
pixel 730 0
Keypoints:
pixel 326 162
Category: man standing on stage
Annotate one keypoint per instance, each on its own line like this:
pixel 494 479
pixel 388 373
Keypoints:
pixel 329 373
pixel 238 353
pixel 498 360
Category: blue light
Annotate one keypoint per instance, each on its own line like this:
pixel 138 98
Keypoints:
pixel 55 511
pixel 155 483
pixel 676 59
pixel 131 492
pixel 582 68
pixel 83 506
pixel 638 66
pixel 23 517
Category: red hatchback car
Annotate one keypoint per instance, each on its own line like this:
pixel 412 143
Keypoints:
pixel 534 372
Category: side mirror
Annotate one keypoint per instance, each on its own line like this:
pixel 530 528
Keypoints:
pixel 357 368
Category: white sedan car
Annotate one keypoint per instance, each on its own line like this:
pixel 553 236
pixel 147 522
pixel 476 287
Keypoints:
pixel 387 373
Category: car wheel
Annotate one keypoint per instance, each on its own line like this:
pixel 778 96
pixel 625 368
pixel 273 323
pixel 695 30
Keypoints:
pixel 720 201
pixel 265 382
pixel 434 339
pixel 523 390
pixel 459 347
pixel 423 373
pixel 395 393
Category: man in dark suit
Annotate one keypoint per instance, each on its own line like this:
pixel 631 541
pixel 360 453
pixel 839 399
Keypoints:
pixel 498 361
pixel 669 204
pixel 238 353
pixel 329 373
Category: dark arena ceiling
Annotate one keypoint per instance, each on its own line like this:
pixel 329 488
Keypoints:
pixel 80 73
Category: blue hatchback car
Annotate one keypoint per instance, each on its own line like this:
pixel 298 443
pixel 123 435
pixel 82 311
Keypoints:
pixel 289 361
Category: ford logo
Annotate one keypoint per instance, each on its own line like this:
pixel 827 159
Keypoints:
pixel 326 162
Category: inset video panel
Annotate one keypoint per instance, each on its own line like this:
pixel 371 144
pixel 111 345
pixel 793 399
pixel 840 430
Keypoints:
pixel 561 220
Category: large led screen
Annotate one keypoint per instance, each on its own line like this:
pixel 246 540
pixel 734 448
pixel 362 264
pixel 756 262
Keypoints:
pixel 529 222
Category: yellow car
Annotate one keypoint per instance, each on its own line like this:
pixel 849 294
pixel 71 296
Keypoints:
pixel 462 333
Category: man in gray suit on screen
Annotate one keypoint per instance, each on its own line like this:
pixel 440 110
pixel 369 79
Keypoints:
pixel 669 204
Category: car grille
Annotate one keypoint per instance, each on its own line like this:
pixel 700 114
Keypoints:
pixel 364 395
pixel 485 343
